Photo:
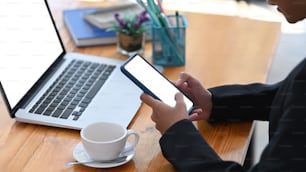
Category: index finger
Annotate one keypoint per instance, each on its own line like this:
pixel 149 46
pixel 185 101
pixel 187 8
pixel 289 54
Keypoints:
pixel 149 100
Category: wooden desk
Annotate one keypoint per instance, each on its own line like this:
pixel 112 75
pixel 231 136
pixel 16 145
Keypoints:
pixel 220 50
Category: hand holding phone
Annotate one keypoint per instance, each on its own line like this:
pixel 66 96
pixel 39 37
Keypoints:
pixel 151 81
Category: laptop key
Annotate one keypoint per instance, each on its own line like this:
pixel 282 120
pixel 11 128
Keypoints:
pixel 66 113
pixel 57 113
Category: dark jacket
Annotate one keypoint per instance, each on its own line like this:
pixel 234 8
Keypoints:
pixel 283 104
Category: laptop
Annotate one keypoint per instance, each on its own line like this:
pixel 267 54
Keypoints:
pixel 43 84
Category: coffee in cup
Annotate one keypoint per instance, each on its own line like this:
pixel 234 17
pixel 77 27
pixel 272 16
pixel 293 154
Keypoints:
pixel 105 140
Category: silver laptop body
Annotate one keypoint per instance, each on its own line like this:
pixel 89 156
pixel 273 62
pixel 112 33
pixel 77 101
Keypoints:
pixel 33 57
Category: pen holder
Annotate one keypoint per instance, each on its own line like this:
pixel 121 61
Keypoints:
pixel 169 42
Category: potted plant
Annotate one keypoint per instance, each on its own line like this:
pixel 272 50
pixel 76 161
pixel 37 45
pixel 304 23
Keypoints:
pixel 130 30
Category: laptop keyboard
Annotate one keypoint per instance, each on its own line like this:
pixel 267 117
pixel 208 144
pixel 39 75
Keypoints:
pixel 73 90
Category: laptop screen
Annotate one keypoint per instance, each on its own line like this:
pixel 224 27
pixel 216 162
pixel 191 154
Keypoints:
pixel 28 45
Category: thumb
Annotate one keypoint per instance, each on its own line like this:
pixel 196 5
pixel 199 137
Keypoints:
pixel 183 77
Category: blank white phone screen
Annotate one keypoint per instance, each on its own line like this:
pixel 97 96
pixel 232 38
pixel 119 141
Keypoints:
pixel 154 81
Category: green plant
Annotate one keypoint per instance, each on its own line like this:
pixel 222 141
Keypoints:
pixel 130 24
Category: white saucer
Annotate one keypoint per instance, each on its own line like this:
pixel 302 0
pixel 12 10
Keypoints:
pixel 79 154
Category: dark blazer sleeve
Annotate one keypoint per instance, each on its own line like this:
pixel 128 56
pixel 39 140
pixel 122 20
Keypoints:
pixel 183 146
pixel 242 102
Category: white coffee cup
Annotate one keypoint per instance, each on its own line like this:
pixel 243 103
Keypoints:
pixel 105 140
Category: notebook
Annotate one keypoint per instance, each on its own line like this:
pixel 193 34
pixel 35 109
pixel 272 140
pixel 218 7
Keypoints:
pixel 43 84
pixel 82 32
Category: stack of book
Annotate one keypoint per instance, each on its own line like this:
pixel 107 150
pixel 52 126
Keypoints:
pixel 88 26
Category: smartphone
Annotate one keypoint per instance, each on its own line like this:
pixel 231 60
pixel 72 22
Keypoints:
pixel 151 81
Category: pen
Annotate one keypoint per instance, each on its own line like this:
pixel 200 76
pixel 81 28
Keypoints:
pixel 153 7
pixel 159 14
pixel 160 5
pixel 177 18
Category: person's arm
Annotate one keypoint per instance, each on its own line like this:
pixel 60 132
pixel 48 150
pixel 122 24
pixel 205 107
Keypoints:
pixel 184 147
pixel 242 102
